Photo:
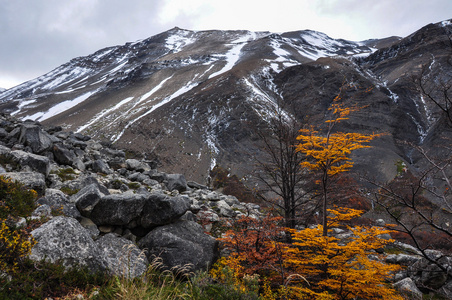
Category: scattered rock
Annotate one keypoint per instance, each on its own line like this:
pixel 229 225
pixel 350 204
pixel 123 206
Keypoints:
pixel 160 209
pixel 176 182
pixel 409 288
pixel 64 239
pixel 181 244
pixel 122 257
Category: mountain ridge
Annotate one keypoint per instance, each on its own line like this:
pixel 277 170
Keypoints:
pixel 194 99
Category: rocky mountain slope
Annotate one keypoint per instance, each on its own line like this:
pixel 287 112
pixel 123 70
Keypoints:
pixel 112 214
pixel 103 210
pixel 192 100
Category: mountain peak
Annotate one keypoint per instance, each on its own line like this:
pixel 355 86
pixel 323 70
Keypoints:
pixel 195 99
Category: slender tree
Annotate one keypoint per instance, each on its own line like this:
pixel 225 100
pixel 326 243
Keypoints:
pixel 328 151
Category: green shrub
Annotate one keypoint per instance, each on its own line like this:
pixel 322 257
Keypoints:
pixel 15 245
pixel 15 200
pixel 41 280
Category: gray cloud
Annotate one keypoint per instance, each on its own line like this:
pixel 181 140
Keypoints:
pixel 37 36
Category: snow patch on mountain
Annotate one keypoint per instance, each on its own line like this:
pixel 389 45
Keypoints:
pixel 178 93
pixel 23 104
pixel 59 108
pixel 233 55
pixel 177 41
pixel 104 113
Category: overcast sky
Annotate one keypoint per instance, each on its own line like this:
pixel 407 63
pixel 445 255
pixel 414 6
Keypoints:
pixel 37 36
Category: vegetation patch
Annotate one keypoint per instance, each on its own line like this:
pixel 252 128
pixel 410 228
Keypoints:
pixel 69 191
pixel 15 200
pixel 65 174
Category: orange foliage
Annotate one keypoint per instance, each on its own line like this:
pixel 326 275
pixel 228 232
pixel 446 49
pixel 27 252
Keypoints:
pixel 254 245
pixel 340 268
pixel 312 266
pixel 328 152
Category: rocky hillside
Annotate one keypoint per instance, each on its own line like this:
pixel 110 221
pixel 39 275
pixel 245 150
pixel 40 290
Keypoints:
pixel 104 209
pixel 191 100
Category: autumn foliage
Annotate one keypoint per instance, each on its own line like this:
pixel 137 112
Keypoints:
pixel 311 266
pixel 328 152
pixel 340 268
pixel 15 243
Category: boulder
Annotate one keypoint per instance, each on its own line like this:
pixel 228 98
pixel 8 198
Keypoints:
pixel 36 162
pixel 82 181
pixel 100 166
pixel 195 185
pixel 119 209
pixel 81 137
pixel 176 182
pixel 156 175
pixel 137 176
pixel 136 165
pixel 224 209
pixel 63 239
pixel 160 209
pixel 87 198
pixel 181 244
pixel 34 137
pixel 406 286
pixel 62 155
pixel 122 257
pixel 427 274
pixel 90 226
pixel 42 211
pixel 31 180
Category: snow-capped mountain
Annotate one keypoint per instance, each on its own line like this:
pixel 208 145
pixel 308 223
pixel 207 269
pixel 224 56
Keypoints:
pixel 193 99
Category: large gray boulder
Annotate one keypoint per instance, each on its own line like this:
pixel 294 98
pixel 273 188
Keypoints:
pixel 136 165
pixel 62 155
pixel 122 257
pixel 100 166
pixel 36 162
pixel 34 137
pixel 87 198
pixel 31 180
pixel 408 287
pixel 160 209
pixel 118 210
pixel 181 244
pixel 63 239
pixel 428 274
pixel 176 182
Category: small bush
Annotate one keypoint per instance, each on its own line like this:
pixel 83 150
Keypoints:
pixel 15 245
pixel 15 200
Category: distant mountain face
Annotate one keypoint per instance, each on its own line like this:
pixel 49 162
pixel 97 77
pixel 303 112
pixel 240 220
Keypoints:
pixel 194 99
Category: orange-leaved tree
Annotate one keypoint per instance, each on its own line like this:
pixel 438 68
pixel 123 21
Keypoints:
pixel 255 247
pixel 340 268
pixel 328 151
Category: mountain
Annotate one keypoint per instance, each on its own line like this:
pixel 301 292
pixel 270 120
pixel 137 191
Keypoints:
pixel 195 99
pixel 2 90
